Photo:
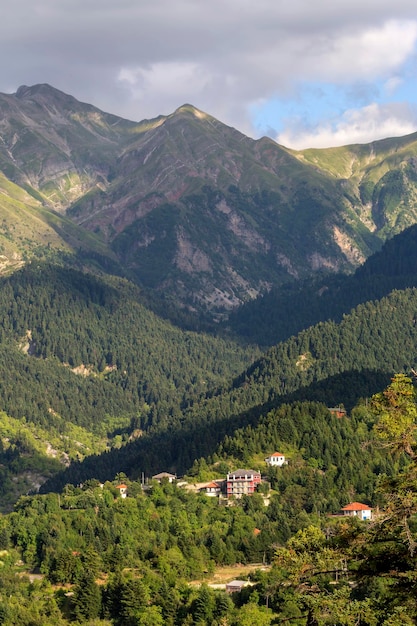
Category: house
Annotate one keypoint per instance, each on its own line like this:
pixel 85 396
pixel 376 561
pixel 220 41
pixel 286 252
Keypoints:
pixel 159 477
pixel 236 585
pixel 357 509
pixel 276 459
pixel 211 489
pixel 242 482
pixel 338 411
pixel 122 490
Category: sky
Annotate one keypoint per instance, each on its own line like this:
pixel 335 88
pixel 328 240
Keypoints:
pixel 307 73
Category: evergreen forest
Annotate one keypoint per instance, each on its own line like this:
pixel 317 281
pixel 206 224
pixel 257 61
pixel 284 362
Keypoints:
pixel 99 392
pixel 180 307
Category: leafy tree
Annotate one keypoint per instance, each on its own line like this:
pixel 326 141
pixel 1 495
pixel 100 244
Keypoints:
pixel 134 597
pixel 251 614
pixel 396 411
pixel 204 606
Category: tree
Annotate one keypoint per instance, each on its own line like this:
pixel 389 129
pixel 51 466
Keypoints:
pixel 87 598
pixel 204 605
pixel 134 597
pixel 150 616
pixel 253 615
pixel 396 411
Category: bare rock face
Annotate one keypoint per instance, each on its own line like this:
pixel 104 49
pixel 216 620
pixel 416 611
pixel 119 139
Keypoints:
pixel 194 209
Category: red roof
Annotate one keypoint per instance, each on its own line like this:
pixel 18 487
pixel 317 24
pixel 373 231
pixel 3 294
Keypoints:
pixel 121 486
pixel 356 506
pixel 277 454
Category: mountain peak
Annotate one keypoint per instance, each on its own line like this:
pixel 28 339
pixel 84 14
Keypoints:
pixel 43 89
pixel 44 94
pixel 189 108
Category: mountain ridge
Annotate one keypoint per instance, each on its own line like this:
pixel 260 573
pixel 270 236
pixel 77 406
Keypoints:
pixel 195 211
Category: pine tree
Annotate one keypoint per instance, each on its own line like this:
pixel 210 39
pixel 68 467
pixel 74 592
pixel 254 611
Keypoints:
pixel 87 598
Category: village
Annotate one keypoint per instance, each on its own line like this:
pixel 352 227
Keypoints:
pixel 243 482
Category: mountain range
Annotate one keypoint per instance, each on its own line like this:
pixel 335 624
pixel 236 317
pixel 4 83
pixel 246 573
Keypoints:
pixel 177 297
pixel 107 225
pixel 199 215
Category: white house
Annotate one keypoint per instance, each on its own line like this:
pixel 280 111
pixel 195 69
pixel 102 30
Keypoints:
pixel 276 459
pixel 357 509
pixel 122 490
pixel 211 489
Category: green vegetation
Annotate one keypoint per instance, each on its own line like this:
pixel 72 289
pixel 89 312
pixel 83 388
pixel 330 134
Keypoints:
pixel 330 363
pixel 349 572
pixel 143 551
pixel 106 560
pixel 63 320
pixel 144 197
pixel 80 351
pixel 90 368
pixel 320 476
pixel 96 390
pixel 281 313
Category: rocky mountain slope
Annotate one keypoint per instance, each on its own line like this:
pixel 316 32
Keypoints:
pixel 193 209
pixel 287 310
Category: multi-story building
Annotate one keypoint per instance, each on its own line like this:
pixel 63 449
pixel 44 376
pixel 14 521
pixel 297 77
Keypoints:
pixel 242 482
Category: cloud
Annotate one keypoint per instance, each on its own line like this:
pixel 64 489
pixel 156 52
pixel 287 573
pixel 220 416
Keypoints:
pixel 363 125
pixel 142 58
pixel 393 84
pixel 167 81
pixel 365 54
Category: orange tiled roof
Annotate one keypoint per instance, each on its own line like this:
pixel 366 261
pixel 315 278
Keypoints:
pixel 356 506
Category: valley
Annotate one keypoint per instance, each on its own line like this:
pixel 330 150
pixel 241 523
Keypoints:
pixel 176 297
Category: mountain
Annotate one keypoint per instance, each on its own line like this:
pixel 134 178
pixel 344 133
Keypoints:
pixel 280 313
pixel 194 211
pixel 52 149
pixel 335 364
pixel 84 366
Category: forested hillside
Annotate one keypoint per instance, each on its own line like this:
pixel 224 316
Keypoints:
pixel 323 453
pixel 57 323
pixel 283 311
pixel 84 366
pixel 80 351
pixel 105 560
pixel 331 363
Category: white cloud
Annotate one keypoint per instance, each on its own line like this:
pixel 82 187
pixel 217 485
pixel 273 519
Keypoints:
pixel 164 80
pixel 366 54
pixel 392 84
pixel 140 58
pixel 356 126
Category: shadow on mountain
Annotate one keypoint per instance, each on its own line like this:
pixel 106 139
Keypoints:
pixel 176 448
pixel 66 282
pixel 281 313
